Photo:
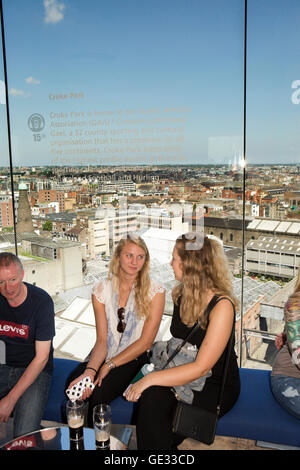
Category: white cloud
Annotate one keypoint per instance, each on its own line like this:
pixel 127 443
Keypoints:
pixel 53 11
pixel 15 92
pixel 32 81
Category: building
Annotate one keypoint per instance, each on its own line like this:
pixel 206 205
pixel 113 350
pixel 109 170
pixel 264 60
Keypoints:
pixel 55 266
pixel 6 212
pixel 120 223
pixel 61 221
pixel 97 237
pixel 161 219
pixel 230 229
pixel 24 219
pixel 119 186
pixel 273 256
pixel 52 195
pixel 92 234
pixel 292 198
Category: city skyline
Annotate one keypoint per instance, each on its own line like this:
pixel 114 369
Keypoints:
pixel 83 90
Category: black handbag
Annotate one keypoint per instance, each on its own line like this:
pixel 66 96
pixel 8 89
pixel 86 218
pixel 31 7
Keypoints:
pixel 193 421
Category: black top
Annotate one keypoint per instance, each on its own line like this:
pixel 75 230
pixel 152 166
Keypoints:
pixel 180 330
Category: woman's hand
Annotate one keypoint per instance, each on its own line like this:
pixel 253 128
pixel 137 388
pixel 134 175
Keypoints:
pixel 103 372
pixel 280 340
pixel 87 391
pixel 134 391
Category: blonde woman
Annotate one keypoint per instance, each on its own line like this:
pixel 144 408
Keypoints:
pixel 128 308
pixel 203 274
pixel 285 376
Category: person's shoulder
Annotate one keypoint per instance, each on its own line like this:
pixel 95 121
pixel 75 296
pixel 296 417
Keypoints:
pixel 101 284
pixel 223 298
pixel 38 292
pixel 221 302
pixel 155 288
pixel 100 289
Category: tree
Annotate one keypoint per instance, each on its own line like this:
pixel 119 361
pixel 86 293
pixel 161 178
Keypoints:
pixel 47 226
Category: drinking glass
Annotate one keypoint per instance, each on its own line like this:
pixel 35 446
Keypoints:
pixel 102 426
pixel 75 417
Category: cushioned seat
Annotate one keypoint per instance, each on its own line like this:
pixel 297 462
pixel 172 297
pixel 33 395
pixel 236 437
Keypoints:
pixel 55 409
pixel 257 415
pixel 122 410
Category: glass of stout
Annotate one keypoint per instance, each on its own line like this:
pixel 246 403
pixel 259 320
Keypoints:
pixel 102 426
pixel 75 417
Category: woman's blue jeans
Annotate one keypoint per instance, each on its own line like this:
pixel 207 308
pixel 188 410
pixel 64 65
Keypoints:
pixel 29 409
pixel 286 391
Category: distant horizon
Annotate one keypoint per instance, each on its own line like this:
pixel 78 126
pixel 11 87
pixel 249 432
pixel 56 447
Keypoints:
pixel 177 165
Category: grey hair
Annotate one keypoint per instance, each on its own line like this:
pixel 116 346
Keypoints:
pixel 7 258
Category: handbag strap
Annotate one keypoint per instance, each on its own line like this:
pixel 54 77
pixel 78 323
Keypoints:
pixel 210 306
pixel 195 327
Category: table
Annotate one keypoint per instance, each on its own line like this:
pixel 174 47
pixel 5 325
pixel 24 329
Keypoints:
pixel 57 438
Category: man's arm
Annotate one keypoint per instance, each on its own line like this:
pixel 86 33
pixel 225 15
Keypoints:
pixel 7 404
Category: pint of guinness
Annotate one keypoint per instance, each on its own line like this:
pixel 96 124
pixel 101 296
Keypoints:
pixel 75 427
pixel 102 426
pixel 77 445
pixel 75 417
pixel 102 440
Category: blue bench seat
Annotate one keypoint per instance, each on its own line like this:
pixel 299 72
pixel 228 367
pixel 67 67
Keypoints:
pixel 256 415
pixel 122 410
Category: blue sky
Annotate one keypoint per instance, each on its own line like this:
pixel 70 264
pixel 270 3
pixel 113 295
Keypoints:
pixel 167 73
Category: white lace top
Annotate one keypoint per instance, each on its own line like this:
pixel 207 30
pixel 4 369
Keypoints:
pixel 117 342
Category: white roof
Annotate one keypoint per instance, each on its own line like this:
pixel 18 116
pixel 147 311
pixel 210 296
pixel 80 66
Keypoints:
pixel 80 343
pixel 75 340
pixel 283 226
pixel 274 225
pixel 294 228
pixel 253 224
pixel 63 330
pixel 267 225
pixel 76 307
pixel 88 316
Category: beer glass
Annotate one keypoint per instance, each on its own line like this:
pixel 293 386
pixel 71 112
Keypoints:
pixel 75 418
pixel 102 426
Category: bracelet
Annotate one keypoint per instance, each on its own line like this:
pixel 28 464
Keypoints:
pixel 110 364
pixel 92 368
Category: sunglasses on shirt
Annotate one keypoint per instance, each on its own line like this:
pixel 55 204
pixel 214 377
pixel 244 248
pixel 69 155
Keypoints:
pixel 121 325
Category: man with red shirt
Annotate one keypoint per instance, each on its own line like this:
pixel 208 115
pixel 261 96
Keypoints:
pixel 26 351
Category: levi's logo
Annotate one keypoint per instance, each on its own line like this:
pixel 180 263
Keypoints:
pixel 13 329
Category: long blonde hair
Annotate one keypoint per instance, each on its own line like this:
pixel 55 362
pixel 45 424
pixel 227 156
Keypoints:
pixel 142 283
pixel 204 266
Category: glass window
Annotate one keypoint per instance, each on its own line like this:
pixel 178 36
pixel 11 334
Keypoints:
pixel 118 109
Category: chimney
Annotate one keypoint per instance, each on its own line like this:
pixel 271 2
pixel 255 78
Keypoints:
pixel 24 219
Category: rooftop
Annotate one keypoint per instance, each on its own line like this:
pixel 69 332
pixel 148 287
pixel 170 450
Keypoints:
pixel 277 244
pixel 292 228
